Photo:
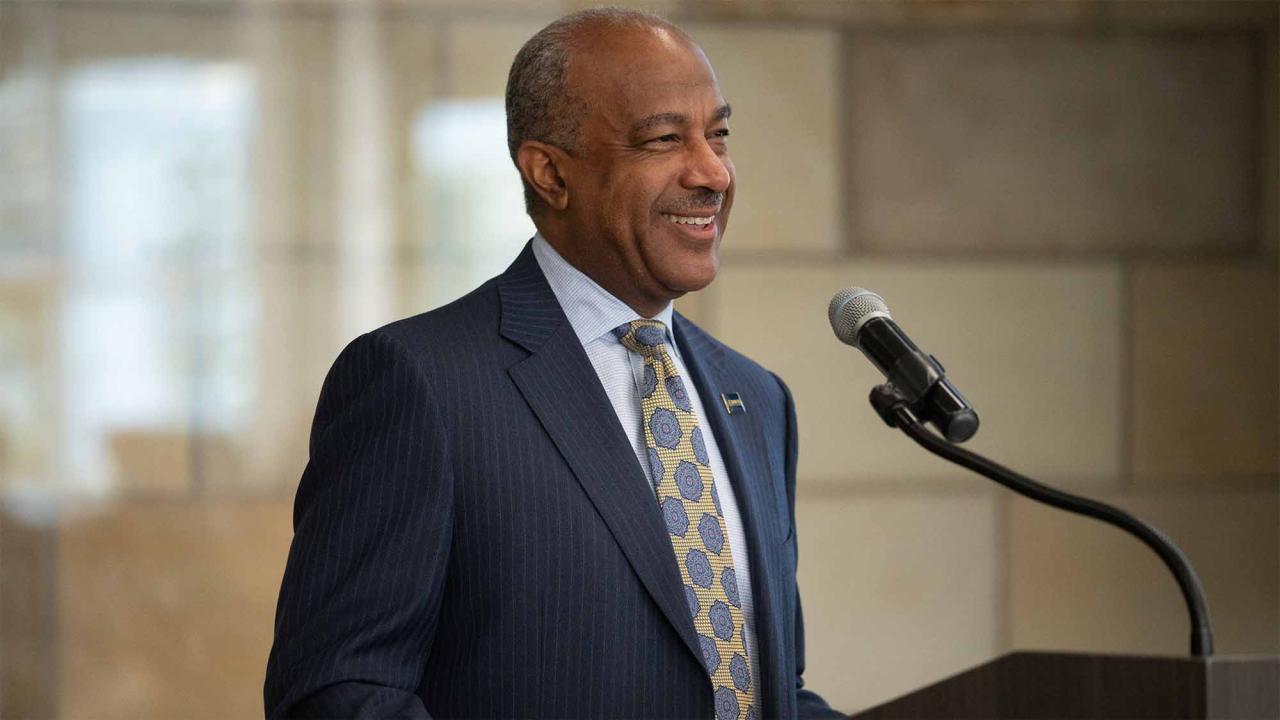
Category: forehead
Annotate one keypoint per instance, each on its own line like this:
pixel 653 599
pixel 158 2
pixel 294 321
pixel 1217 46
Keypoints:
pixel 634 72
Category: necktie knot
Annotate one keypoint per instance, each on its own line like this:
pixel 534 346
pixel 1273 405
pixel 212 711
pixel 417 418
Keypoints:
pixel 647 337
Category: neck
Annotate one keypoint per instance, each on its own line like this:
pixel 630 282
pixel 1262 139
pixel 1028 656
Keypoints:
pixel 597 266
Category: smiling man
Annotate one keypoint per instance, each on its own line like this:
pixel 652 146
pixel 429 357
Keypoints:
pixel 556 497
pixel 638 195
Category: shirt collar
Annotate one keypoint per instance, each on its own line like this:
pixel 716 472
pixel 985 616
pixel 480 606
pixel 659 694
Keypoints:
pixel 592 311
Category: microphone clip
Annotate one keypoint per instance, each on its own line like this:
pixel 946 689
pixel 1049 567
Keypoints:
pixel 888 401
pixel 917 383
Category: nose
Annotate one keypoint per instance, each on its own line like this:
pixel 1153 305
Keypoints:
pixel 706 168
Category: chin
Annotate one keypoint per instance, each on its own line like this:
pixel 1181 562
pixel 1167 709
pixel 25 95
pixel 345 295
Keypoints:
pixel 680 269
pixel 692 282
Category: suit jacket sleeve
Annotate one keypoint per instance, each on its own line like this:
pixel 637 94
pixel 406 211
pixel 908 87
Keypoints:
pixel 808 703
pixel 372 525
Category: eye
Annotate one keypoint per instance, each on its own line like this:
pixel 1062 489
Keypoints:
pixel 666 138
pixel 722 133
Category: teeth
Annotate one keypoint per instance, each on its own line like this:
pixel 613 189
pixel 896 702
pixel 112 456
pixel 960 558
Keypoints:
pixel 685 220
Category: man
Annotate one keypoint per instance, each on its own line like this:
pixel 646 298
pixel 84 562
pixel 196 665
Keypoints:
pixel 555 497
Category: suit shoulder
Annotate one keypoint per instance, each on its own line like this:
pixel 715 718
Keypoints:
pixel 438 346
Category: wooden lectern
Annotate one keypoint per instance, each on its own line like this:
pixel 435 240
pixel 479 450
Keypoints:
pixel 1072 685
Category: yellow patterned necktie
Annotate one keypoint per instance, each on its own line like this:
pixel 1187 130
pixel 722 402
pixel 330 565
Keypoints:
pixel 691 508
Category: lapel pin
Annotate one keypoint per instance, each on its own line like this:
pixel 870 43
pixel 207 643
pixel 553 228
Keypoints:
pixel 733 403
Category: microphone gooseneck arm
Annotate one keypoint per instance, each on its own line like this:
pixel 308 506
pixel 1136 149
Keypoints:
pixel 894 408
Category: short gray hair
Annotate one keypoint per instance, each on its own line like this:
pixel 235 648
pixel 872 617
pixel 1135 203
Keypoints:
pixel 539 106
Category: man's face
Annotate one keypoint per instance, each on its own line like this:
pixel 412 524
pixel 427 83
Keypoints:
pixel 650 188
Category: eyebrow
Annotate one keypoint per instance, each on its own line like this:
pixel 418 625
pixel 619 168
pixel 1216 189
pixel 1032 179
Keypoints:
pixel 675 118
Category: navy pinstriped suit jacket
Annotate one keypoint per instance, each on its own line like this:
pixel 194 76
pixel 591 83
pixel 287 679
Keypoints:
pixel 474 537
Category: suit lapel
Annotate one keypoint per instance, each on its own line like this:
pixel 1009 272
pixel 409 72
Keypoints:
pixel 563 390
pixel 742 447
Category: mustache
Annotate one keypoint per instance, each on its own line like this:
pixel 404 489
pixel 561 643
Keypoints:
pixel 701 201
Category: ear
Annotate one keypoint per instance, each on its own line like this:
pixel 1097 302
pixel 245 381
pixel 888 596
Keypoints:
pixel 543 167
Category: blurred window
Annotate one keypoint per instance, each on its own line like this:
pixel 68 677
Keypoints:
pixel 156 161
pixel 474 220
pixel 158 296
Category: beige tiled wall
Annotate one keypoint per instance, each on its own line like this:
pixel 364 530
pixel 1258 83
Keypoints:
pixel 1035 345
pixel 898 587
pixel 785 143
pixel 1077 584
pixel 1269 156
pixel 1072 206
pixel 1207 371
pixel 476 73
pixel 1078 224
pixel 1033 141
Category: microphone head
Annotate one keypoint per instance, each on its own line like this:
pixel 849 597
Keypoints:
pixel 850 309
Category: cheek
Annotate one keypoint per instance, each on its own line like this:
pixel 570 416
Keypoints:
pixel 627 200
pixel 652 185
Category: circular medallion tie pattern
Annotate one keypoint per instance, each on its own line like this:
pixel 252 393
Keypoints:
pixel 677 456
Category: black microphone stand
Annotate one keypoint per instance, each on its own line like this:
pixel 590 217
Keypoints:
pixel 896 410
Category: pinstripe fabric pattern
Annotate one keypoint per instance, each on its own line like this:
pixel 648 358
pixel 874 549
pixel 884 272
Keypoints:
pixel 474 538
pixel 594 313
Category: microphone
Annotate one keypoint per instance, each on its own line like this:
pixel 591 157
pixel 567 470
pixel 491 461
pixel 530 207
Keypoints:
pixel 918 391
pixel 861 318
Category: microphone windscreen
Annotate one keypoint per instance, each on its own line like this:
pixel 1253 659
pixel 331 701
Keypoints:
pixel 851 308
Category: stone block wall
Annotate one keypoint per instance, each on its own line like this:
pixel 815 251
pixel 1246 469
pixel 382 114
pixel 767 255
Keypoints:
pixel 1075 212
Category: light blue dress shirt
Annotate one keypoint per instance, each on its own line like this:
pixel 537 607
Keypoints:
pixel 594 313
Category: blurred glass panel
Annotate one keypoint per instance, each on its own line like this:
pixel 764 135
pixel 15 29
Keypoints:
pixel 157 314
pixel 473 198
pixel 156 163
